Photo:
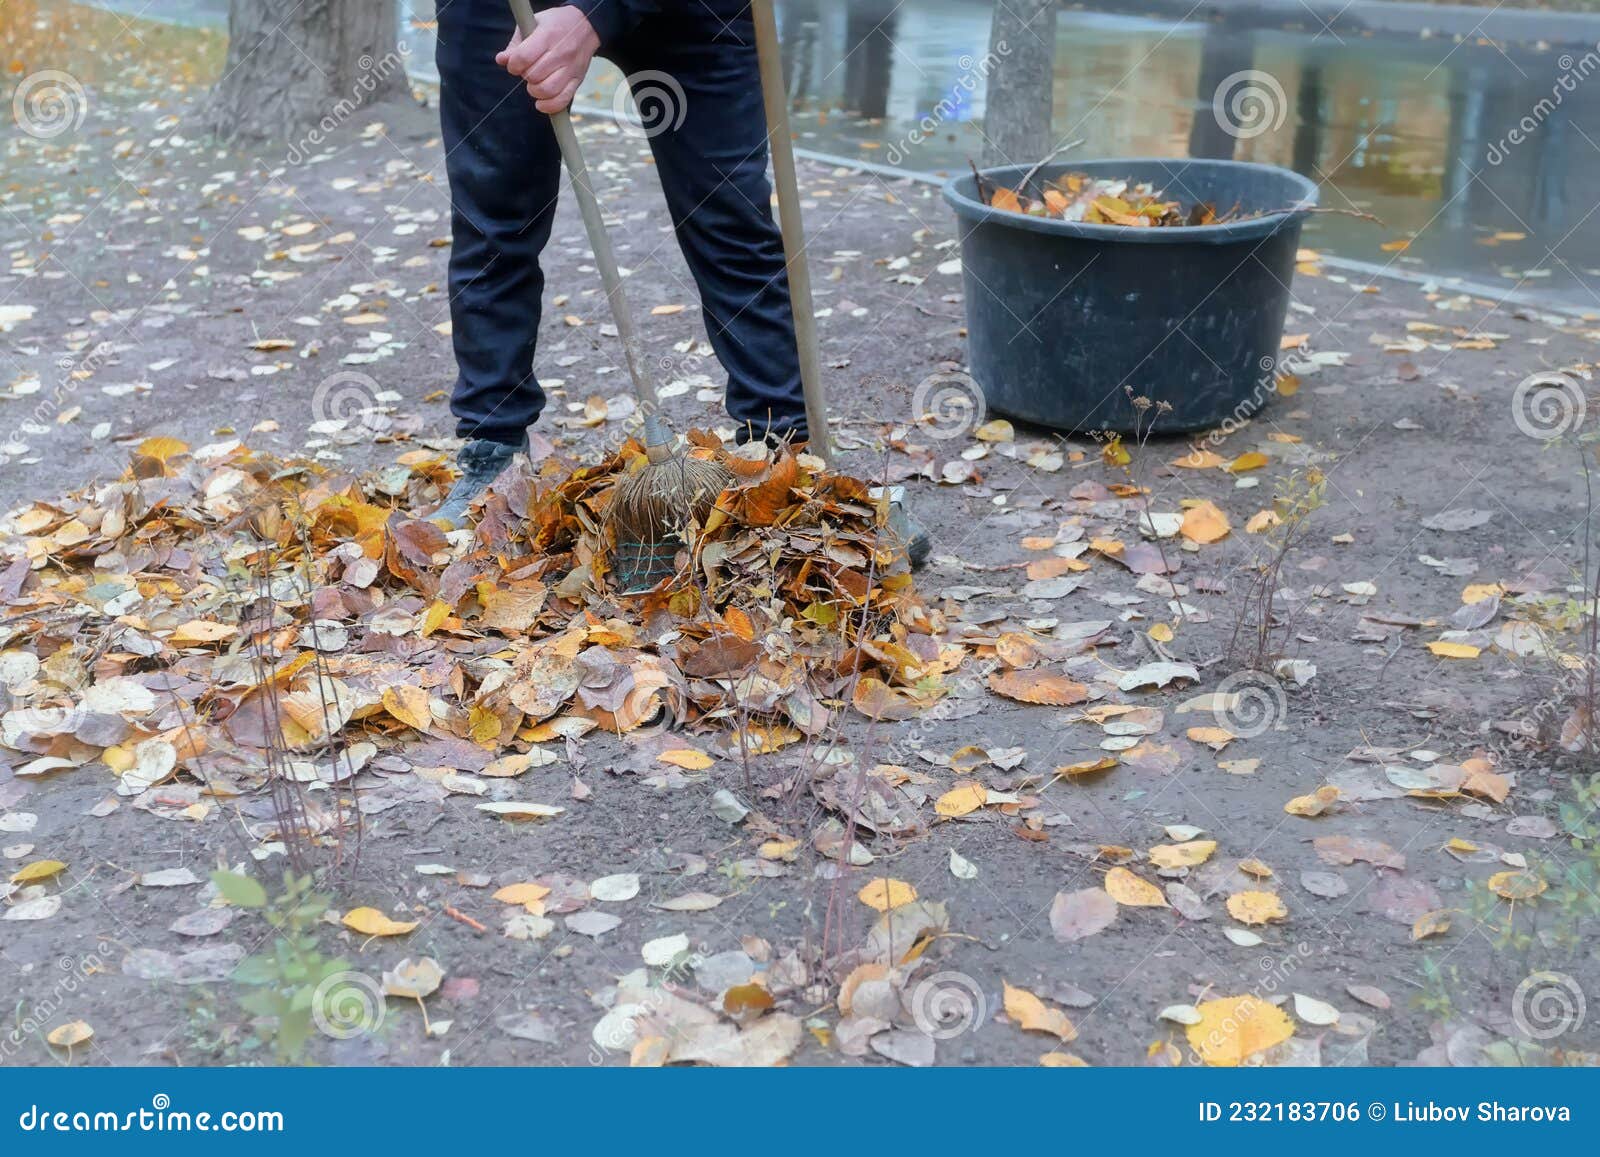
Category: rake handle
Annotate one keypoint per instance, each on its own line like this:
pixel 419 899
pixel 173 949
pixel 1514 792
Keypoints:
pixel 594 224
pixel 775 94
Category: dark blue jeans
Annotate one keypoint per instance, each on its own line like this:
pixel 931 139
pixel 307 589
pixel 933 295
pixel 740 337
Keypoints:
pixel 505 174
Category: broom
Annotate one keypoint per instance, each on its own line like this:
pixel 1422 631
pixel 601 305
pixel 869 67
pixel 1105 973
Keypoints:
pixel 653 507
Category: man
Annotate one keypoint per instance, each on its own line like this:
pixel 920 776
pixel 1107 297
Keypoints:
pixel 505 174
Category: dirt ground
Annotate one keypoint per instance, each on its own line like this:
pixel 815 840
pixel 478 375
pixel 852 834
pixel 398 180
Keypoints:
pixel 137 238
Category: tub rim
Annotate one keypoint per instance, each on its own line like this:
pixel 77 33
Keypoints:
pixel 960 192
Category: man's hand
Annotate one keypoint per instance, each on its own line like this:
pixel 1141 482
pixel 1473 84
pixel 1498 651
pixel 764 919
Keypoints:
pixel 552 61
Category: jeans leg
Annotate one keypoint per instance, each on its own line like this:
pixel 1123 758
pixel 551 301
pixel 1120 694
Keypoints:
pixel 713 167
pixel 505 172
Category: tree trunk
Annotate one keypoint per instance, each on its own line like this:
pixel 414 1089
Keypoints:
pixel 297 69
pixel 1021 89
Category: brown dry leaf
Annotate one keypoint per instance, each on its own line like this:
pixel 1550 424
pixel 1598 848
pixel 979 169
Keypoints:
pixel 878 701
pixel 1315 804
pixel 1080 914
pixel 1204 523
pixel 1131 891
pixel 1197 459
pixel 1348 849
pixel 1032 1014
pixel 1435 923
pixel 1040 687
pixel 1483 780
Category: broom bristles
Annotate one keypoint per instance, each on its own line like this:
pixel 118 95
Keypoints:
pixel 665 497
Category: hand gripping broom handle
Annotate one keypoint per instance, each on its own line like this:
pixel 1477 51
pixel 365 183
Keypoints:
pixel 600 242
pixel 776 95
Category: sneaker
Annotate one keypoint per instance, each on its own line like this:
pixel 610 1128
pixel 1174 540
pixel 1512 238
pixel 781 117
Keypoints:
pixel 480 462
pixel 919 543
pixel 908 529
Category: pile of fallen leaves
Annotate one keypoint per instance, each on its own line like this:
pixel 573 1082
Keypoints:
pixel 1102 201
pixel 215 605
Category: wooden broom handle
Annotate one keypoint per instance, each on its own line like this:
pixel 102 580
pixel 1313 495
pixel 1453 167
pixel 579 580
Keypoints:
pixel 776 95
pixel 594 223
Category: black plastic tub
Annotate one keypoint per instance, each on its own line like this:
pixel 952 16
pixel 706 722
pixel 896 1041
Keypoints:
pixel 1065 318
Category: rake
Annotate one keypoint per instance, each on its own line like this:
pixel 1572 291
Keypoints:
pixel 653 507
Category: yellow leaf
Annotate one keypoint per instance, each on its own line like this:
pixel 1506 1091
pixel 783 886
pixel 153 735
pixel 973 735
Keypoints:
pixel 688 758
pixel 1198 460
pixel 438 612
pixel 883 894
pixel 529 895
pixel 408 704
pixel 1062 1061
pixel 38 870
pixel 1088 766
pixel 1518 885
pixel 1216 738
pixel 1262 520
pixel 1114 453
pixel 1250 460
pixel 778 849
pixel 154 456
pixel 1234 1028
pixel 1454 650
pixel 1477 592
pixel 1035 1015
pixel 1204 523
pixel 1314 804
pixel 1185 855
pixel 1256 907
pixel 1161 633
pixel 1133 892
pixel 1431 924
pixel 998 430
pixel 201 631
pixel 66 1036
pixel 371 922
pixel 961 799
